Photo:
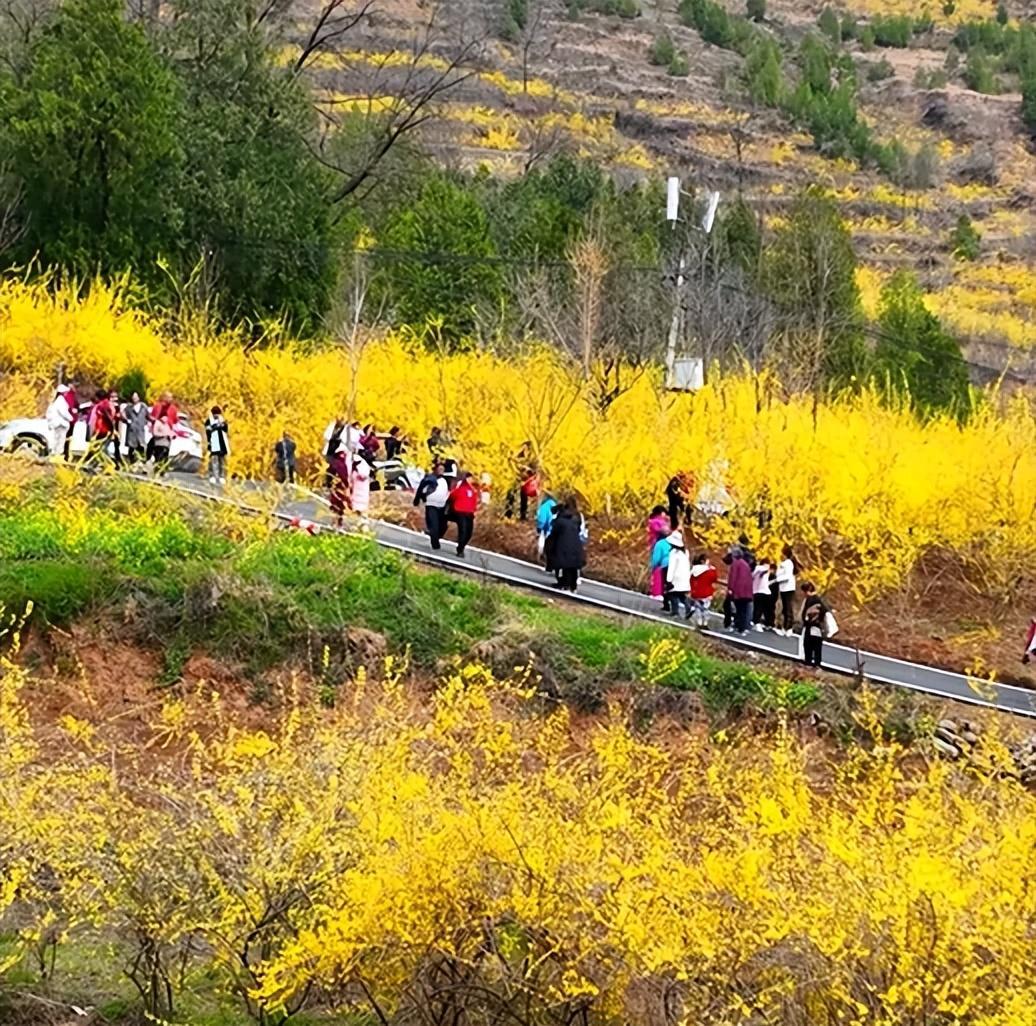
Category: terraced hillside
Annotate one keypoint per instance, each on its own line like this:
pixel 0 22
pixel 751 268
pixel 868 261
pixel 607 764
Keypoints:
pixel 576 79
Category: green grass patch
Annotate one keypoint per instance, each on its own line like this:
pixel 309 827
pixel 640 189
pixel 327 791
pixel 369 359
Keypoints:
pixel 181 582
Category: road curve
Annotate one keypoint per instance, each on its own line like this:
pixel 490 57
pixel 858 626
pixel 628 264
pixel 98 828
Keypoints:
pixel 286 503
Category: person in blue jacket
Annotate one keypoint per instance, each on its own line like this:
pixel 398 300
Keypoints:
pixel 660 562
pixel 544 521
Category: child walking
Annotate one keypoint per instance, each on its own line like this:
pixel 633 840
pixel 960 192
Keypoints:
pixel 703 586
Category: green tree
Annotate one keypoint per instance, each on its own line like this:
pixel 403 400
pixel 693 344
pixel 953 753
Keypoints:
pixel 536 217
pixel 756 9
pixel 810 273
pixel 830 24
pixel 978 73
pixel 763 73
pixel 892 29
pixel 678 65
pixel 1002 14
pixel 916 354
pixel 91 133
pixel 255 199
pixel 815 59
pixel 1027 74
pixel 965 240
pixel 439 263
pixel 662 50
pixel 740 239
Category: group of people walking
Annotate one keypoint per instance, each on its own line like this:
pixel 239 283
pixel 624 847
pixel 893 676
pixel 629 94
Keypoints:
pixel 445 500
pixel 760 593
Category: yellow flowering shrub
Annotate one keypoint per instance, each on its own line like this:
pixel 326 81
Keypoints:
pixel 867 490
pixel 389 854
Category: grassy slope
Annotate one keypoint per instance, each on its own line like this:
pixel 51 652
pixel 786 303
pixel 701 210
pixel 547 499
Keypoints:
pixel 181 582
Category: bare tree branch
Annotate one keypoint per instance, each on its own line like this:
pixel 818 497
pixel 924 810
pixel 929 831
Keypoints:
pixel 331 25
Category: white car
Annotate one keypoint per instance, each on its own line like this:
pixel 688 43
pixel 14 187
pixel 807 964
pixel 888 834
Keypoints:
pixel 30 436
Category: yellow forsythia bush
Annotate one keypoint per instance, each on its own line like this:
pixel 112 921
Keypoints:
pixel 394 853
pixel 866 491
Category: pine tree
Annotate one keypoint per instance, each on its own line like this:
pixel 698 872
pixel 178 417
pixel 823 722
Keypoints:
pixel 916 355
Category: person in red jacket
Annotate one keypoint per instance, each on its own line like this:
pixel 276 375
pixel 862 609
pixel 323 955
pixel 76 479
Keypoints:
pixel 739 590
pixel 703 586
pixel 104 422
pixel 1030 642
pixel 464 499
pixel 166 409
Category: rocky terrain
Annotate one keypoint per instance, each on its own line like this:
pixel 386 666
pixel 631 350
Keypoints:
pixel 581 81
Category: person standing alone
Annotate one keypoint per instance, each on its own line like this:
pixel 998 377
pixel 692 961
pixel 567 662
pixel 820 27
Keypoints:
pixel 135 417
pixel 59 420
pixel 658 566
pixel 284 454
pixel 360 485
pixel 814 626
pixel 678 576
pixel 739 590
pixel 703 586
pixel 786 588
pixel 217 433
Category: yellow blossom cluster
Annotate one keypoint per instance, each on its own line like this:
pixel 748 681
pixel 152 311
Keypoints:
pixel 865 489
pixel 387 857
pixel 962 10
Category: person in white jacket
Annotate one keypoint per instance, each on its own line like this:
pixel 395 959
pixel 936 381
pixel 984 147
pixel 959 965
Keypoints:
pixel 678 576
pixel 762 600
pixel 59 420
pixel 785 579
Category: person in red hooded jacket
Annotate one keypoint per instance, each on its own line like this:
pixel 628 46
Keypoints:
pixel 464 500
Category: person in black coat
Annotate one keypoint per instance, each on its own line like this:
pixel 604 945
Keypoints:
pixel 565 551
pixel 676 494
pixel 284 454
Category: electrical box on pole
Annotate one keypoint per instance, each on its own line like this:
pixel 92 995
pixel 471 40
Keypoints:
pixel 672 201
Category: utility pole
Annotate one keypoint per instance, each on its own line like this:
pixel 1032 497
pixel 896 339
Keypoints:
pixel 673 193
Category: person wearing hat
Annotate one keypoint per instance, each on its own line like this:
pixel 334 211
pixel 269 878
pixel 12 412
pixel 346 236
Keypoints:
pixel 59 421
pixel 678 576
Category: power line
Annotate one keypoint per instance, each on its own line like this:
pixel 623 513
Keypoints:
pixel 445 257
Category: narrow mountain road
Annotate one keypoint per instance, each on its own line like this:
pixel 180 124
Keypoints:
pixel 287 503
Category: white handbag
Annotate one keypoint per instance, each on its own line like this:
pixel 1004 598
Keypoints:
pixel 830 625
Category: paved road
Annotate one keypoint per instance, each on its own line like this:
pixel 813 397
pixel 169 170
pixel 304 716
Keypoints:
pixel 286 503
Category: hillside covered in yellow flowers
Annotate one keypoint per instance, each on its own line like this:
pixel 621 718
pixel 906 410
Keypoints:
pixel 470 848
pixel 917 526
pixel 252 775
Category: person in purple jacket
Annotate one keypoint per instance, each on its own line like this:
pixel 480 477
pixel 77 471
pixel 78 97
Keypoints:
pixel 739 590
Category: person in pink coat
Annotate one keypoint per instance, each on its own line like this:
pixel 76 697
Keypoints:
pixel 360 486
pixel 657 529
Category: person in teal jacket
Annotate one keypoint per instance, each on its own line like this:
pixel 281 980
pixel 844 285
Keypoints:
pixel 544 521
pixel 660 563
